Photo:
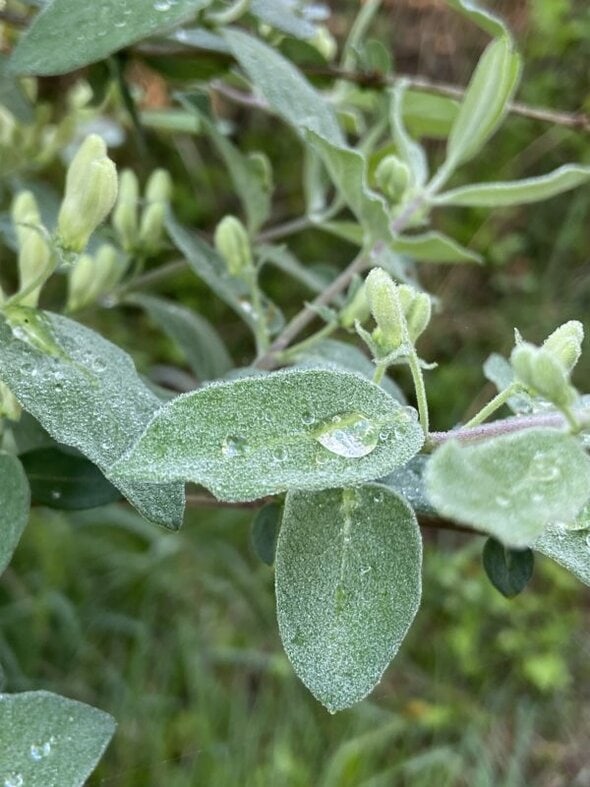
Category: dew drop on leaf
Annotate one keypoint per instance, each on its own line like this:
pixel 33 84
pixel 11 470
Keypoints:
pixel 38 752
pixel 234 446
pixel 351 435
pixel 14 780
pixel 502 501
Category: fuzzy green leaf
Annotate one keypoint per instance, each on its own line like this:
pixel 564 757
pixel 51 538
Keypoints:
pixel 434 247
pixel 262 435
pixel 509 570
pixel 348 587
pixel 86 393
pixel 410 151
pixel 408 482
pixel 66 481
pixel 517 192
pixel 281 14
pixel 569 548
pixel 284 87
pixel 485 102
pixel 48 740
pixel 195 336
pixel 511 486
pixel 482 17
pixel 69 34
pixel 15 501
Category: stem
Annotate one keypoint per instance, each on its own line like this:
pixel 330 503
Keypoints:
pixel 418 379
pixel 284 230
pixel 230 15
pixel 358 31
pixel 295 349
pixel 261 330
pixel 491 407
pixel 40 279
pixel 379 373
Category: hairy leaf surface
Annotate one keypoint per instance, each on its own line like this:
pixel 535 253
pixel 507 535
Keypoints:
pixel 15 501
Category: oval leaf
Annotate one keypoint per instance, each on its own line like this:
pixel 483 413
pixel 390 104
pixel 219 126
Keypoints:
pixel 485 102
pixel 48 740
pixel 569 548
pixel 15 501
pixel 86 393
pixel 509 570
pixel 93 31
pixel 518 192
pixel 66 481
pixel 511 486
pixel 258 436
pixel 434 247
pixel 348 587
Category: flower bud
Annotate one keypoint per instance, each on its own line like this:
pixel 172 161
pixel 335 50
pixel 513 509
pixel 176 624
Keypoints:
pixel 357 308
pixel 91 191
pixel 565 344
pixel 261 164
pixel 233 244
pixel 417 308
pixel 80 283
pixel 385 308
pixel 34 254
pixel 124 218
pixel 543 373
pixel 159 186
pixel 152 225
pixel 393 177
pixel 325 43
pixel 9 406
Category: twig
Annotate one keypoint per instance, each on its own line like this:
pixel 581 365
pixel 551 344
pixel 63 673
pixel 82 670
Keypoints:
pixel 13 19
pixel 503 426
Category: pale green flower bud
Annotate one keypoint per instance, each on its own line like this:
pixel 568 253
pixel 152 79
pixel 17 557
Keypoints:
pixel 34 254
pixel 261 164
pixel 417 314
pixel 325 43
pixel 80 95
pixel 7 127
pixel 152 225
pixel 91 191
pixel 9 405
pixel 356 310
pixel 80 283
pixel 124 218
pixel 109 269
pixel 385 308
pixel 543 373
pixel 565 343
pixel 393 177
pixel 159 186
pixel 233 244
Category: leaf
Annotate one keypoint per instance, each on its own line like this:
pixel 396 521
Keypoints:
pixel 509 570
pixel 569 548
pixel 348 586
pixel 208 266
pixel 15 501
pixel 284 87
pixel 429 115
pixel 263 435
pixel 408 482
pixel 485 19
pixel 347 168
pixel 410 151
pixel 265 531
pixel 86 393
pixel 281 15
pixel 434 247
pixel 49 740
pixel 332 354
pixel 512 486
pixel 198 340
pixel 485 102
pixel 283 259
pixel 518 192
pixel 63 480
pixel 499 371
pixel 93 31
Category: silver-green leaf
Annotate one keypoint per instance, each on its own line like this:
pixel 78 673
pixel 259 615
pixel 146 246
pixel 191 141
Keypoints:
pixel 310 429
pixel 485 102
pixel 15 501
pixel 348 585
pixel 47 740
pixel 284 87
pixel 434 247
pixel 86 393
pixel 512 486
pixel 569 548
pixel 69 34
pixel 518 192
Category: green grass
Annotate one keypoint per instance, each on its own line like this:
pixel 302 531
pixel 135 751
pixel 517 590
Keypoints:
pixel 175 635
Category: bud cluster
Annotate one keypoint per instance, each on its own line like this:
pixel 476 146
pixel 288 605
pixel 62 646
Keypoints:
pixel 93 276
pixel 139 224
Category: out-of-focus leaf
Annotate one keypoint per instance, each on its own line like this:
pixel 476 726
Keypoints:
pixel 509 570
pixel 282 15
pixel 265 531
pixel 434 247
pixel 569 548
pixel 410 151
pixel 15 501
pixel 482 17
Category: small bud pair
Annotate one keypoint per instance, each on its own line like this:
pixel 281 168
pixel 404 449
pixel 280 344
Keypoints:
pixel 541 372
pixel 92 277
pixel 90 193
pixel 233 244
pixel 143 235
pixel 393 177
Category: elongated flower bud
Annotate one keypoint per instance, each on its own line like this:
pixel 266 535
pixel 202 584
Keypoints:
pixel 385 307
pixel 91 191
pixel 232 242
pixel 152 226
pixel 542 373
pixel 159 186
pixel 34 254
pixel 124 218
pixel 417 308
pixel 80 283
pixel 565 343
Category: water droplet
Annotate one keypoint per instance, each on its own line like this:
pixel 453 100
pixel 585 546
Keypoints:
pixel 162 5
pixel 502 501
pixel 234 446
pixel 14 780
pixel 98 365
pixel 307 418
pixel 537 497
pixel 55 494
pixel 383 435
pixel 352 435
pixel 279 454
pixel 41 751
pixel 560 530
pixel 120 23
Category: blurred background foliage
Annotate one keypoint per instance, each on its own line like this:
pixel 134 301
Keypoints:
pixel 175 634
